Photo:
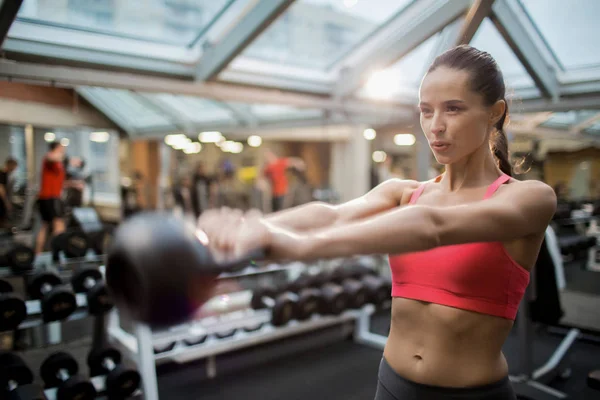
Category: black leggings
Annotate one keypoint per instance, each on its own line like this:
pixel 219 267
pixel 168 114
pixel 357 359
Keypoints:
pixel 391 386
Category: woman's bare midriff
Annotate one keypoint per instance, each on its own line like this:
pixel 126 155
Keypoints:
pixel 444 346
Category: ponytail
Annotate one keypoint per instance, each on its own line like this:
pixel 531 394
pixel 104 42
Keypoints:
pixel 499 145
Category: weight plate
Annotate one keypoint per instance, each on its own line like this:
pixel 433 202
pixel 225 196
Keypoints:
pixel 37 281
pixel 79 278
pixel 122 382
pixel 76 388
pixel 13 368
pixel 13 311
pixel 99 300
pixel 53 364
pixel 283 311
pixel 309 303
pixel 20 259
pixel 58 304
pixel 75 245
pixel 97 356
pixel 5 287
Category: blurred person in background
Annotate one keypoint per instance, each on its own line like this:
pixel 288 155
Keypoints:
pixel 50 196
pixel 204 190
pixel 132 194
pixel 10 165
pixel 275 171
pixel 182 195
pixel 74 181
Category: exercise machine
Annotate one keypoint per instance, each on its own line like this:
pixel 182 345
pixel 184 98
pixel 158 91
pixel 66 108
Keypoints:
pixel 543 306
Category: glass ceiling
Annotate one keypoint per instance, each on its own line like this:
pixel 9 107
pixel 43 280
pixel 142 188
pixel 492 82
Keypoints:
pixel 570 28
pixel 148 112
pixel 315 33
pixel 487 38
pixel 303 51
pixel 179 22
pixel 405 74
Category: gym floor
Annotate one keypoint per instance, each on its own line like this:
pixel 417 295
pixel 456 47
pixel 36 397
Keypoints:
pixel 345 370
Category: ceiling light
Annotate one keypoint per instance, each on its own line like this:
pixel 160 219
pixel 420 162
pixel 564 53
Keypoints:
pixel 232 147
pixel 192 148
pixel 65 142
pixel 49 136
pixel 175 139
pixel 254 141
pixel 379 156
pixel 369 134
pixel 404 139
pixel 210 137
pixel 99 137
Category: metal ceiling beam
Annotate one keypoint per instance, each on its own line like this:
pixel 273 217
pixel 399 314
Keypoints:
pixel 73 77
pixel 447 39
pixel 22 49
pixel 517 30
pixel 477 13
pixel 217 57
pixel 8 13
pixel 420 21
pixel 565 104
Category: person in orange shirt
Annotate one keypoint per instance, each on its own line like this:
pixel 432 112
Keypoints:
pixel 49 198
pixel 275 172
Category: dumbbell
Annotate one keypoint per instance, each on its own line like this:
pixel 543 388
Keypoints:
pixel 309 299
pixel 16 379
pixel 18 257
pixel 379 290
pixel 283 306
pixel 60 370
pixel 12 308
pixel 58 302
pixel 73 244
pixel 121 382
pixel 89 281
pixel 335 299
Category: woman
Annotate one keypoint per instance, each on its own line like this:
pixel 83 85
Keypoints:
pixel 463 244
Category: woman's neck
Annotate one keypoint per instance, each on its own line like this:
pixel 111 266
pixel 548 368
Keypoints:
pixel 478 169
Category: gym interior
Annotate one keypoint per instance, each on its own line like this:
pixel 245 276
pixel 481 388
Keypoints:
pixel 182 106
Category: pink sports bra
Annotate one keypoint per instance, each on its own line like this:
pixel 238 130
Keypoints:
pixel 480 277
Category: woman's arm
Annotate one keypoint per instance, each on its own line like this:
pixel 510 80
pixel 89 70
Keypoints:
pixel 316 214
pixel 520 210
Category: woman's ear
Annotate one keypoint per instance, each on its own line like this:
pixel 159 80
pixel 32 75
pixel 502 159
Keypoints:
pixel 498 110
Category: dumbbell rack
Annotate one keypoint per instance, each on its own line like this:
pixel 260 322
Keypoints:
pixel 99 383
pixel 139 346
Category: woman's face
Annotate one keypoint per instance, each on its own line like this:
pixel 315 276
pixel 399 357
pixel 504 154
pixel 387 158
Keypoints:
pixel 454 118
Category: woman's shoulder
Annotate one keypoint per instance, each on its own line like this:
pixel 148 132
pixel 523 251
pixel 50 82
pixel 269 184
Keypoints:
pixel 531 187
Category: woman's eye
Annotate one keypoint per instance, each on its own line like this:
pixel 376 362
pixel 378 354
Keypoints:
pixel 453 109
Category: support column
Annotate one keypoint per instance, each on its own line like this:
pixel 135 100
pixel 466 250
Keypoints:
pixel 349 172
pixel 30 154
pixel 422 155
